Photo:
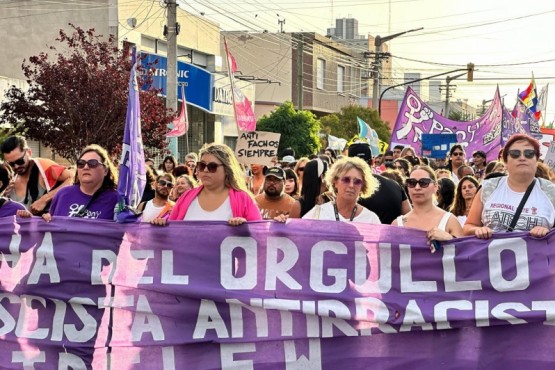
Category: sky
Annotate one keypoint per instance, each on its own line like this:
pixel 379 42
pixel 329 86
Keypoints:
pixel 507 40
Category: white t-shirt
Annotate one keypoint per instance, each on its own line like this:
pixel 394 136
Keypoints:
pixel 327 213
pixel 196 213
pixel 151 211
pixel 501 206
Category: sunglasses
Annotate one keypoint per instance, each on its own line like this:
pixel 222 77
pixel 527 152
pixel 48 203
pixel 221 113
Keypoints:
pixel 92 163
pixel 212 166
pixel 300 169
pixel 424 183
pixel 347 180
pixel 18 162
pixel 528 153
pixel 165 183
pixel 457 154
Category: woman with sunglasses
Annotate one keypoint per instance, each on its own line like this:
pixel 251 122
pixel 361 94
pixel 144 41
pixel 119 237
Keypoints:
pixel 495 204
pixel 223 195
pixel 425 215
pixel 350 178
pixel 93 194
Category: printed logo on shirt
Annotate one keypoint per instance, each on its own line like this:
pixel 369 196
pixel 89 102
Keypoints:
pixel 75 210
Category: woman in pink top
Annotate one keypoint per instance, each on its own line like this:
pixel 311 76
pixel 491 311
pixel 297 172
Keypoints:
pixel 223 195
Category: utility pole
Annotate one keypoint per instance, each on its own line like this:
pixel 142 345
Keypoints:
pixel 171 83
pixel 447 87
pixel 300 51
pixel 378 42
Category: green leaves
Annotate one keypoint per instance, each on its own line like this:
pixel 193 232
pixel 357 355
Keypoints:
pixel 299 129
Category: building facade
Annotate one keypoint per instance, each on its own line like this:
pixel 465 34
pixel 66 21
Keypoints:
pixel 28 28
pixel 312 71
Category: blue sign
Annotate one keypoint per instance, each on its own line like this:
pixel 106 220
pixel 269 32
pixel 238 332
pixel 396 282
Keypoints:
pixel 437 145
pixel 199 83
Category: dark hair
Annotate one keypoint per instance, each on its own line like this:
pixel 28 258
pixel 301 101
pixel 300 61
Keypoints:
pixel 332 152
pixel 167 176
pixel 181 170
pixel 459 207
pixel 6 174
pixel 445 193
pixel 388 152
pixel 520 137
pixel 13 142
pixel 170 158
pixel 290 174
pixel 453 148
pixel 396 176
pixel 405 164
pixel 111 178
pixel 312 185
pixel 400 147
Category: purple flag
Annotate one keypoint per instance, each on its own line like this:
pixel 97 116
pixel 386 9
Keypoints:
pixel 97 294
pixel 132 173
pixel 520 120
pixel 416 118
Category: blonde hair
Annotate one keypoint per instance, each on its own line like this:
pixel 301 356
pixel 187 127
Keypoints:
pixel 370 184
pixel 234 177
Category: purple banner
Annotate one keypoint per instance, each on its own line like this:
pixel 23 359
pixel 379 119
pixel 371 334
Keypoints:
pixel 416 118
pixel 306 294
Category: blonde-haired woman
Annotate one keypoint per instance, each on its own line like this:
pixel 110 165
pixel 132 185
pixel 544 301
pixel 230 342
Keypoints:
pixel 349 179
pixel 223 195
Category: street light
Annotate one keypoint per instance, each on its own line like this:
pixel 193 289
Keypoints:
pixel 378 42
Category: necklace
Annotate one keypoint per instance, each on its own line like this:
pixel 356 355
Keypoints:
pixel 337 212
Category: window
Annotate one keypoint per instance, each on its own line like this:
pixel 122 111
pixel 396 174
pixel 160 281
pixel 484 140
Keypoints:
pixel 340 79
pixel 320 73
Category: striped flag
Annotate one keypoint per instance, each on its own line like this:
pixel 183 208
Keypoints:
pixel 368 133
pixel 132 172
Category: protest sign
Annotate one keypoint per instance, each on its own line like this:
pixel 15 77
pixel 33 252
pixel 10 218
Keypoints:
pixel 257 147
pixel 305 294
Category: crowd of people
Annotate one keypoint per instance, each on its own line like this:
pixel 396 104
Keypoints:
pixel 460 195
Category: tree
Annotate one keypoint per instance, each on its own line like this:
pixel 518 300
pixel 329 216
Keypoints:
pixel 344 124
pixel 456 116
pixel 299 129
pixel 79 97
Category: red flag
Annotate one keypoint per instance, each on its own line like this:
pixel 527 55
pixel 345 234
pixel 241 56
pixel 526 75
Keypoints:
pixel 181 123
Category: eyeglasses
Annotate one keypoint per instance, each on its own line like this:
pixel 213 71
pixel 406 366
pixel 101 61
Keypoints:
pixel 92 163
pixel 424 183
pixel 18 162
pixel 457 154
pixel 528 153
pixel 347 180
pixel 300 169
pixel 212 166
pixel 165 183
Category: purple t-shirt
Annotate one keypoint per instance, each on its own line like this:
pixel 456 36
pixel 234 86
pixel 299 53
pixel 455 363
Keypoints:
pixel 9 208
pixel 69 200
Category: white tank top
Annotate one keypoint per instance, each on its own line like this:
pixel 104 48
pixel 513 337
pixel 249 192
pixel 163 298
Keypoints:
pixel 196 213
pixel 501 206
pixel 441 226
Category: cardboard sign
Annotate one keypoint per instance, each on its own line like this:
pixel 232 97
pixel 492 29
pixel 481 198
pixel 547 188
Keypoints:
pixel 549 158
pixel 257 147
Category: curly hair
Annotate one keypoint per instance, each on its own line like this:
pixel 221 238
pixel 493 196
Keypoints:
pixel 343 165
